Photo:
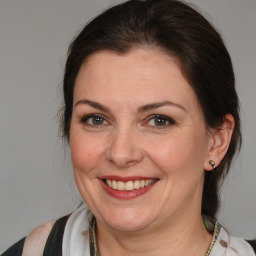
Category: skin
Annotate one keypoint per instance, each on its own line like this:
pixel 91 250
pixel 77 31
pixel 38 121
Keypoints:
pixel 128 142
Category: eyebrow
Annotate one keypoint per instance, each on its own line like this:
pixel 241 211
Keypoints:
pixel 156 105
pixel 141 109
pixel 93 104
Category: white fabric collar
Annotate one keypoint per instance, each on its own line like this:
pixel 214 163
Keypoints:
pixel 76 234
pixel 227 245
pixel 76 238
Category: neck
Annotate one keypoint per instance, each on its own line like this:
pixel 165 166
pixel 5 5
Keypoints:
pixel 170 238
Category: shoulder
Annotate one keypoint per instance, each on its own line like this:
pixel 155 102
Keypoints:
pixel 241 247
pixel 46 239
pixel 36 240
pixel 33 244
pixel 16 249
pixel 228 245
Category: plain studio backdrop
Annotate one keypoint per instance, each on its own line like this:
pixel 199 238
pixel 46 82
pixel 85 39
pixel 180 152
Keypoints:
pixel 36 182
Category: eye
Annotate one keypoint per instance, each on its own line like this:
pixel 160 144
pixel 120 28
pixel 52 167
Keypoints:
pixel 94 120
pixel 160 121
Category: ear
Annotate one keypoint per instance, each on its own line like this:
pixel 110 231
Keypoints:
pixel 219 142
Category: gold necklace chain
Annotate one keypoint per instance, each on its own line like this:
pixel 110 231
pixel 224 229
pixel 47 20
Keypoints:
pixel 214 238
pixel 94 249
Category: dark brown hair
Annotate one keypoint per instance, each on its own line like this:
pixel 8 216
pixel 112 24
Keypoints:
pixel 178 30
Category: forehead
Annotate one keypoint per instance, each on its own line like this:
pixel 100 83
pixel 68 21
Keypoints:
pixel 133 64
pixel 139 74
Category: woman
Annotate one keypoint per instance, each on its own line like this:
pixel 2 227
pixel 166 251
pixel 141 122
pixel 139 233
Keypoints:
pixel 152 119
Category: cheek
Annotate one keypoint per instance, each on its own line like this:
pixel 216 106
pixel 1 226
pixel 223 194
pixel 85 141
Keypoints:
pixel 85 153
pixel 179 154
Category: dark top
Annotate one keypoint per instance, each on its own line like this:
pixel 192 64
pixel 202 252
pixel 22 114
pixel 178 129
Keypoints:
pixel 53 246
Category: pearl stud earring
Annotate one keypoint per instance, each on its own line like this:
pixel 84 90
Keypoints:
pixel 212 163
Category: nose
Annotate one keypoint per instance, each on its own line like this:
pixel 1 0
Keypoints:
pixel 124 148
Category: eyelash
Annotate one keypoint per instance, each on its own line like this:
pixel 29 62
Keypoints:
pixel 85 119
pixel 166 119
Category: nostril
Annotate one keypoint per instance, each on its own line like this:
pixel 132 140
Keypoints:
pixel 124 149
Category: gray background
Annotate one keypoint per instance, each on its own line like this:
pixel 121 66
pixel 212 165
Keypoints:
pixel 35 172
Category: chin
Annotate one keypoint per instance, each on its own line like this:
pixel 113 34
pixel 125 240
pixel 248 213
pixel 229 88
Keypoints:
pixel 128 221
pixel 128 226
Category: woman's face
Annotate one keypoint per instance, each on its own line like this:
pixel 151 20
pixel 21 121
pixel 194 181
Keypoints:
pixel 139 143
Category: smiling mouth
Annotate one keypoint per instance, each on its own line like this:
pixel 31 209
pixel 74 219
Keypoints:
pixel 129 185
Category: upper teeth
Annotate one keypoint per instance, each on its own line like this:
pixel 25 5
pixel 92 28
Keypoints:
pixel 129 185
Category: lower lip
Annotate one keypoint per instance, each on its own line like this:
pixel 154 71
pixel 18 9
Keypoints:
pixel 122 194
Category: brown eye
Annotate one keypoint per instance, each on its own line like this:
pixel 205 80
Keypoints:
pixel 94 120
pixel 97 120
pixel 160 121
